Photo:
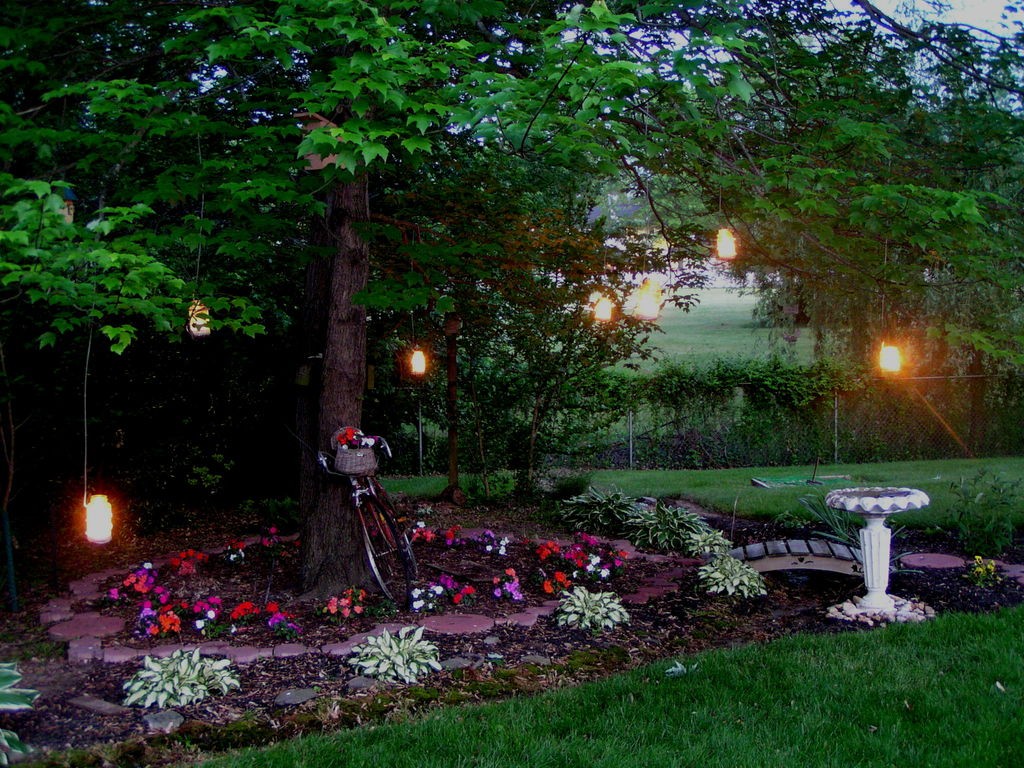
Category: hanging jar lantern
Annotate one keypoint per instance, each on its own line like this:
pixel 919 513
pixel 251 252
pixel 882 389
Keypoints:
pixel 99 519
pixel 647 300
pixel 890 360
pixel 726 244
pixel 603 308
pixel 198 320
pixel 417 362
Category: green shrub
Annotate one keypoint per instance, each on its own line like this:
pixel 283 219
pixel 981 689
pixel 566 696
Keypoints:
pixel 984 506
pixel 180 679
pixel 663 527
pixel 596 611
pixel 401 658
pixel 598 512
pixel 729 576
pixel 709 542
pixel 11 700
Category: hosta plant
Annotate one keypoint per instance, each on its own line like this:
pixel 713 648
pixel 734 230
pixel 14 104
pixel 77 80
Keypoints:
pixel 709 542
pixel 12 699
pixel 598 511
pixel 729 576
pixel 596 611
pixel 663 527
pixel 180 679
pixel 401 658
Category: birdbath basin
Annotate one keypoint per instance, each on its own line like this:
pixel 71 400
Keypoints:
pixel 875 505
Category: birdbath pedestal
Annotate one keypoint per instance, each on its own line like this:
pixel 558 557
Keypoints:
pixel 875 505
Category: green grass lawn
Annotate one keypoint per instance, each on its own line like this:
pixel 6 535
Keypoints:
pixel 728 490
pixel 720 326
pixel 947 693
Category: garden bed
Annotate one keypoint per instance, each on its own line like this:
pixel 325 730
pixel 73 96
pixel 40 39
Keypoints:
pixel 505 660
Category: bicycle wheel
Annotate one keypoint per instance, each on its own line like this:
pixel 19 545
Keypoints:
pixel 387 551
pixel 401 523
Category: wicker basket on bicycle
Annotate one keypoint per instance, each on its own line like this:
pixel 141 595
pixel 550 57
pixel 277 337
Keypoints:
pixel 353 461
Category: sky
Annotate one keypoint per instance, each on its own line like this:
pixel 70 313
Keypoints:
pixel 979 13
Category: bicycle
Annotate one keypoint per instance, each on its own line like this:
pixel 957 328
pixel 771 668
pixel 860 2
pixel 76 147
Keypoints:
pixel 388 551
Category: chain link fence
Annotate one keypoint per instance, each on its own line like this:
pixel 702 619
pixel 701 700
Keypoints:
pixel 889 420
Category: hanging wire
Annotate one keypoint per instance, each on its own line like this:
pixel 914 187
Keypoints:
pixel 85 421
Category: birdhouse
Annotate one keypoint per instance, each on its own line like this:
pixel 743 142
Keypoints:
pixel 198 320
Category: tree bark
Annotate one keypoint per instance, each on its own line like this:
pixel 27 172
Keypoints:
pixel 332 556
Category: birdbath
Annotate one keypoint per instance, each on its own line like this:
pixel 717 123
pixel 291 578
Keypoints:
pixel 875 505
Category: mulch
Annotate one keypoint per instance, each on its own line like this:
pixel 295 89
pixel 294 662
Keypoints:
pixel 682 622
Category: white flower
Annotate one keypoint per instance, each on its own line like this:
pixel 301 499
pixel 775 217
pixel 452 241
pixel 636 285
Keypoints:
pixel 200 623
pixel 211 614
pixel 148 566
pixel 605 573
pixel 437 589
pixel 417 604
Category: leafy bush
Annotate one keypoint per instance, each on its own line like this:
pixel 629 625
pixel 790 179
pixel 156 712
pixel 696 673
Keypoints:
pixel 598 512
pixel 663 527
pixel 596 611
pixel 180 679
pixel 984 508
pixel 13 699
pixel 401 658
pixel 727 575
pixel 839 525
pixel 709 542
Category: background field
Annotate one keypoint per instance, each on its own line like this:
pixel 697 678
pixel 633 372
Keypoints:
pixel 720 326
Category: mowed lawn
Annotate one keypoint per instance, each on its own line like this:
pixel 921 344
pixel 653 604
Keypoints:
pixel 720 326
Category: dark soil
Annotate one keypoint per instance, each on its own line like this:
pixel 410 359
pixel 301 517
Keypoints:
pixel 683 622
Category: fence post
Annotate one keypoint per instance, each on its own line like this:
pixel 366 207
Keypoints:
pixel 629 420
pixel 835 426
pixel 419 433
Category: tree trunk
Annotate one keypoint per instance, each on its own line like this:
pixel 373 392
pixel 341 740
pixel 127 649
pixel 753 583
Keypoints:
pixel 332 556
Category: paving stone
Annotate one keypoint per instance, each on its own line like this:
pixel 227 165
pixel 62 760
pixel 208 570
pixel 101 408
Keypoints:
pixel 532 658
pixel 166 721
pixel 1013 571
pixel 932 560
pixel 492 640
pixel 85 649
pixel 457 623
pixel 97 705
pixel 660 581
pixel 247 654
pixel 524 619
pixel 214 648
pixel 89 624
pixel 290 650
pixel 343 648
pixel 55 615
pixel 456 662
pixel 361 683
pixel 294 696
pixel 636 598
pixel 163 651
pixel 118 654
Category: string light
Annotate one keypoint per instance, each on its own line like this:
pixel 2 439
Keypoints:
pixel 726 244
pixel 417 362
pixel 890 359
pixel 99 519
pixel 647 300
pixel 603 308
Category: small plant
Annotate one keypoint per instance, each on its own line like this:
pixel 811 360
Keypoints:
pixel 186 563
pixel 596 611
pixel 281 622
pixel 838 524
pixel 983 573
pixel 679 669
pixel 984 506
pixel 604 512
pixel 729 576
pixel 351 603
pixel 401 658
pixel 507 585
pixel 709 542
pixel 13 699
pixel 663 527
pixel 180 679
